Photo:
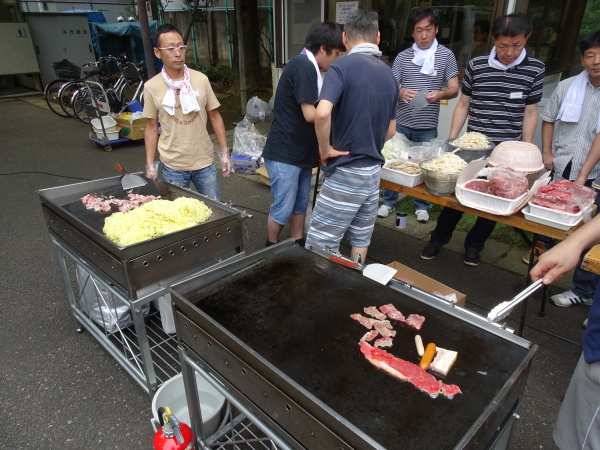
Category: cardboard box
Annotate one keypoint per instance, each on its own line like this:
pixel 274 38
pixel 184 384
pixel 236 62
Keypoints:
pixel 421 281
pixel 244 165
pixel 132 130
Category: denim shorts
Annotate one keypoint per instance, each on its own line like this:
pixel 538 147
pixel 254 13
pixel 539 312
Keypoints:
pixel 205 180
pixel 290 188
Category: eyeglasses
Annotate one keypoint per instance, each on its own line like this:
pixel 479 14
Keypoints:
pixel 181 48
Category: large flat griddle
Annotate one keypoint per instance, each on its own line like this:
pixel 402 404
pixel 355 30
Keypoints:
pixel 147 263
pixel 287 317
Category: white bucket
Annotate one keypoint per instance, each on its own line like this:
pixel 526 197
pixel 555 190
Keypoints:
pixel 172 394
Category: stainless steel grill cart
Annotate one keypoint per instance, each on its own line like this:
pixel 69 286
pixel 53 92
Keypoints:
pixel 126 279
pixel 273 329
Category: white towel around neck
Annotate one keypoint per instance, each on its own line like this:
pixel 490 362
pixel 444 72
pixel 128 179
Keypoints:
pixel 425 58
pixel 496 64
pixel 187 98
pixel 570 109
pixel 313 60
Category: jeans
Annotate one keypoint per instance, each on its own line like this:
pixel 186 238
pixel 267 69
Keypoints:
pixel 390 198
pixel 205 180
pixel 446 224
pixel 290 188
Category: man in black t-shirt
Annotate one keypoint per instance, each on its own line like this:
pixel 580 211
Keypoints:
pixel 292 150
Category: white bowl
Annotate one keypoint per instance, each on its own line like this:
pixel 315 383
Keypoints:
pixel 172 394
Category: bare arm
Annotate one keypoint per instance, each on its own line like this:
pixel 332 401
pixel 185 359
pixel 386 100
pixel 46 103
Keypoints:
pixel 547 136
pixel 219 128
pixel 308 110
pixel 562 258
pixel 451 92
pixel 323 129
pixel 529 123
pixel 391 130
pixel 459 117
pixel 151 139
pixel 592 159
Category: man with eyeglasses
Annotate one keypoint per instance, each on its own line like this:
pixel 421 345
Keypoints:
pixel 182 100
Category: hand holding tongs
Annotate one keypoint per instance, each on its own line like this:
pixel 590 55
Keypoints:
pixel 503 309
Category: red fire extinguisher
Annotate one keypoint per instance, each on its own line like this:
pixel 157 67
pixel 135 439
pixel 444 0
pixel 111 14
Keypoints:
pixel 172 435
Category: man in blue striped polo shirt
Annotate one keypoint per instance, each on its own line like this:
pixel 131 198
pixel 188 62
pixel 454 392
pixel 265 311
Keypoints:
pixel 425 67
pixel 499 97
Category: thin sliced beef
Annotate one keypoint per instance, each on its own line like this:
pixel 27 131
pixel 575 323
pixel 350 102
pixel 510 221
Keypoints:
pixel 483 186
pixel 509 184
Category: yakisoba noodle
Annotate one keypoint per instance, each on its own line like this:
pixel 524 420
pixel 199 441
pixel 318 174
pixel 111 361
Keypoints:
pixel 448 163
pixel 472 140
pixel 153 219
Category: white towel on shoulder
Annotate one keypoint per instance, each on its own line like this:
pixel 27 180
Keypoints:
pixel 187 98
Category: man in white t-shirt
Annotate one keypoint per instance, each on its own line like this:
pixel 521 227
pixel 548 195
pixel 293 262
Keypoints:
pixel 182 100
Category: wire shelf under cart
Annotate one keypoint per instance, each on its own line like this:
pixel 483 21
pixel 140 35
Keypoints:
pixel 140 345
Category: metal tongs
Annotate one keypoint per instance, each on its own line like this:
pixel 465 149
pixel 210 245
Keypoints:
pixel 503 309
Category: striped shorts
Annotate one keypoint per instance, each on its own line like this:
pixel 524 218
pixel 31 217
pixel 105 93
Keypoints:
pixel 347 202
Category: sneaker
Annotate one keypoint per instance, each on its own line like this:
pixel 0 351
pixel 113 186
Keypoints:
pixel 422 215
pixel 471 258
pixel 540 248
pixel 384 211
pixel 569 298
pixel 429 251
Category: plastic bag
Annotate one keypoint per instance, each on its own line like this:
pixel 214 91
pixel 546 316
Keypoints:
pixel 565 196
pixel 103 307
pixel 506 183
pixel 258 110
pixel 247 140
pixel 396 148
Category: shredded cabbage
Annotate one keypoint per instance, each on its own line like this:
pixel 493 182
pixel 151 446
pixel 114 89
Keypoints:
pixel 154 219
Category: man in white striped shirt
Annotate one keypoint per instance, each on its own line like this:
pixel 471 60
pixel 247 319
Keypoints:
pixel 423 67
pixel 571 121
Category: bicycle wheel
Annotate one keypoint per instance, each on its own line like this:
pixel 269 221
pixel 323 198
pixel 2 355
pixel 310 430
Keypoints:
pixel 82 101
pixel 66 93
pixel 52 97
pixel 129 89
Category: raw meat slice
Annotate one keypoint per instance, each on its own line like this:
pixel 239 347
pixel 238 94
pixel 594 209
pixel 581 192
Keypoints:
pixel 385 332
pixel 374 312
pixel 364 321
pixel 391 311
pixel 415 321
pixel 369 336
pixel 480 186
pixel 508 184
pixel 564 196
pixel 407 371
pixel 383 323
pixel 383 342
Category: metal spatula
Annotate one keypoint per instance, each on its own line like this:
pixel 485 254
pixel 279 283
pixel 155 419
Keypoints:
pixel 129 180
pixel 376 272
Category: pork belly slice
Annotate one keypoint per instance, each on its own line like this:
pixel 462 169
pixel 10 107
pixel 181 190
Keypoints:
pixel 385 332
pixel 364 321
pixel 391 312
pixel 369 336
pixel 407 371
pixel 383 342
pixel 374 312
pixel 415 321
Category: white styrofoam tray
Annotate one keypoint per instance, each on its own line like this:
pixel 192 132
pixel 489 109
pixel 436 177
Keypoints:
pixel 401 178
pixel 488 202
pixel 553 215
pixel 560 225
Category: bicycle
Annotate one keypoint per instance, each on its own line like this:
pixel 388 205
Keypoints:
pixel 66 72
pixel 108 95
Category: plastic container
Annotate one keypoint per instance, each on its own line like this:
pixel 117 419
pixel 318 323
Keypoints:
pixel 487 202
pixel 552 215
pixel 563 225
pixel 441 184
pixel 107 121
pixel 112 133
pixel 172 394
pixel 401 178
pixel 401 219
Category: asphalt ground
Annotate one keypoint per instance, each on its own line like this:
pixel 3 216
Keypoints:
pixel 62 390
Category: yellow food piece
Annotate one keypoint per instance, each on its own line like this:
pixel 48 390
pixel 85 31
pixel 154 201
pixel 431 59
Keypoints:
pixel 154 219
